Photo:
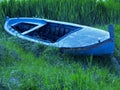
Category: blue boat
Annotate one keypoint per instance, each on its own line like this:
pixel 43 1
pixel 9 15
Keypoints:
pixel 68 37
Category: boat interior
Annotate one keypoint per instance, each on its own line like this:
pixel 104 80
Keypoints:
pixel 51 32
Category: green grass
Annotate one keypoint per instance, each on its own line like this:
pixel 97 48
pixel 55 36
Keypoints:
pixel 26 65
pixel 52 70
pixel 83 12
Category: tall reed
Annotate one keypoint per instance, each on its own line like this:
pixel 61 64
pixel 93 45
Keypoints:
pixel 87 12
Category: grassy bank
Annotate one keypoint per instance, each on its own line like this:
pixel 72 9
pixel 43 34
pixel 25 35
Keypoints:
pixel 28 66
pixel 49 69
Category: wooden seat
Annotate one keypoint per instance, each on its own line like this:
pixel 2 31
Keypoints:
pixel 33 29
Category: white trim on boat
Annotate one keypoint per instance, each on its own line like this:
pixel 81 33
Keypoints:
pixel 33 29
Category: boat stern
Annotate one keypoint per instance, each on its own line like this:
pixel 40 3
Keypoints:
pixel 103 48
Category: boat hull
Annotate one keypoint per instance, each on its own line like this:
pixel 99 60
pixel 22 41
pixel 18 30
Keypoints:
pixel 78 39
pixel 106 48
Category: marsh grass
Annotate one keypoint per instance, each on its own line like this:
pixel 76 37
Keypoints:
pixel 22 69
pixel 53 70
pixel 28 66
pixel 82 12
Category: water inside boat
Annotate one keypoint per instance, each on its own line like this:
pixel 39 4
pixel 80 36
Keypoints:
pixel 50 31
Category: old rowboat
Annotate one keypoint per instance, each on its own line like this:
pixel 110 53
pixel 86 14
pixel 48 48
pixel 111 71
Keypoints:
pixel 69 37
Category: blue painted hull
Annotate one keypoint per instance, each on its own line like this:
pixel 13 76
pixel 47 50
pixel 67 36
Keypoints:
pixel 104 49
pixel 69 37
